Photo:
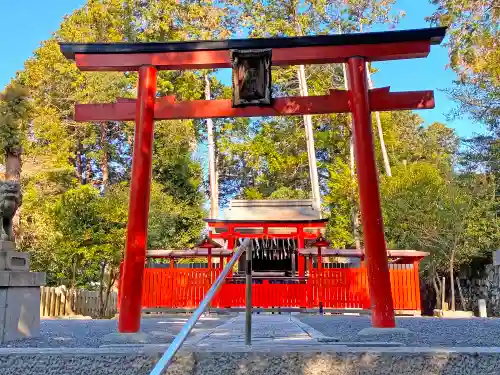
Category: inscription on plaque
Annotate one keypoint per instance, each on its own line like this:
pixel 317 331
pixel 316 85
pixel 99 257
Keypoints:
pixel 251 77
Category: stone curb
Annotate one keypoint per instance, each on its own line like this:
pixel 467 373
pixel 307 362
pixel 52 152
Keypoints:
pixel 195 340
pixel 310 361
pixel 152 349
pixel 377 332
pixel 313 333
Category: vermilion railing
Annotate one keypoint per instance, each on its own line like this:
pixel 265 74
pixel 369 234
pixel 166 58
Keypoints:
pixel 339 288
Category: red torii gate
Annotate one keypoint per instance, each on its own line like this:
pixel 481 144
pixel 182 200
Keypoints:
pixel 353 49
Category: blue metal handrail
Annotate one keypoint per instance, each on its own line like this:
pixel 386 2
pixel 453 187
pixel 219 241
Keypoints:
pixel 174 347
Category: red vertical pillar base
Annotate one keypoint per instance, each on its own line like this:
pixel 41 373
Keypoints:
pixel 369 197
pixel 418 301
pixel 137 227
pixel 302 265
pixel 319 260
pixel 300 245
pixel 230 246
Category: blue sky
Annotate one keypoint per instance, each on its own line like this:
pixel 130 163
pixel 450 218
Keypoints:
pixel 29 22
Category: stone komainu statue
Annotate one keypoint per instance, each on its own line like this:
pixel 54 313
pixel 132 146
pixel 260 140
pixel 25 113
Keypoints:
pixel 10 200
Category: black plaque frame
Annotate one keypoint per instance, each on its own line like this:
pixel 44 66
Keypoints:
pixel 251 77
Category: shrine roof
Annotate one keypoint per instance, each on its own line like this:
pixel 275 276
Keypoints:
pixel 354 253
pixel 432 35
pixel 291 221
pixel 186 253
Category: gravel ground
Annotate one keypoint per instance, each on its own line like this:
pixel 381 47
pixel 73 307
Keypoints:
pixel 436 332
pixel 89 333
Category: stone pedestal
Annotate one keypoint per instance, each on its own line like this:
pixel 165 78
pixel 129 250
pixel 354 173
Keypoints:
pixel 19 295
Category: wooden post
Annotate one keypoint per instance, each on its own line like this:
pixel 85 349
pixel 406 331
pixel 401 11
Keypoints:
pixel 42 300
pixel 47 301
pixel 53 298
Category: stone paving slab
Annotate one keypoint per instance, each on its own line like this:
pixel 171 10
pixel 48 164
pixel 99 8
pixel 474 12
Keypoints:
pixel 267 330
pixel 273 332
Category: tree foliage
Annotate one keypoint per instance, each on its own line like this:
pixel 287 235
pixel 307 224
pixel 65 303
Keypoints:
pixel 14 117
pixel 75 175
pixel 441 197
pixel 14 113
pixel 475 55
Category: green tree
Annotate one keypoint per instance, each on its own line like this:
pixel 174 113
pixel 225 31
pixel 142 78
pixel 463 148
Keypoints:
pixel 83 165
pixel 331 133
pixel 452 217
pixel 474 55
pixel 14 116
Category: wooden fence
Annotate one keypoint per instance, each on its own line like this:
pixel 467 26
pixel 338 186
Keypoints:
pixel 337 288
pixel 59 301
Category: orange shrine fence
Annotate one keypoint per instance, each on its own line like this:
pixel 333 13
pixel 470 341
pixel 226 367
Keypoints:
pixel 337 288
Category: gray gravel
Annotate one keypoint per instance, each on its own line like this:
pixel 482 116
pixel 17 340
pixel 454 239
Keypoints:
pixel 90 333
pixel 436 332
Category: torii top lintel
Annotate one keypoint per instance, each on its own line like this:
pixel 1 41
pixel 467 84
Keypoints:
pixel 322 49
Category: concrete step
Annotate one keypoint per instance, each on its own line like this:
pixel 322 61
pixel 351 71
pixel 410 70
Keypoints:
pixel 271 361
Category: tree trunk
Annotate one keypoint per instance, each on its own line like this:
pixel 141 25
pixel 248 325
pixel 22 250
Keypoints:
pixel 13 167
pixel 462 299
pixel 311 150
pixel 113 274
pixel 217 187
pixel 352 169
pixel 443 293
pixel 212 174
pixel 103 128
pixel 79 164
pixel 385 157
pixel 452 280
pixel 101 288
pixel 355 212
pixel 13 164
pixel 438 292
pixel 85 170
pixel 73 274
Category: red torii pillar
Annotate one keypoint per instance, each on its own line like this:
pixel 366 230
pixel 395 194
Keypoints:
pixel 353 49
pixel 369 196
pixel 140 192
